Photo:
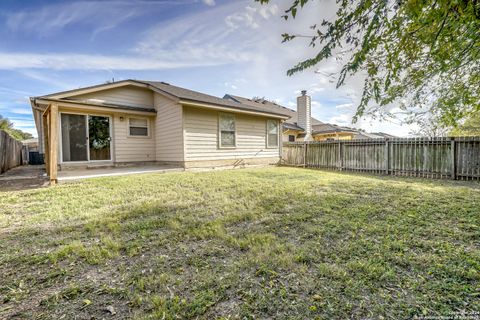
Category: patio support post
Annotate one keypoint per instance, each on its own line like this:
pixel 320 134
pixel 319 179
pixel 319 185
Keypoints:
pixel 46 138
pixel 53 152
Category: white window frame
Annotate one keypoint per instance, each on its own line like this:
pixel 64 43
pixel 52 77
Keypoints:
pixel 60 137
pixel 137 136
pixel 219 133
pixel 267 134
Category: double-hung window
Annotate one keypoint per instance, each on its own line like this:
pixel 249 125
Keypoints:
pixel 226 130
pixel 138 127
pixel 272 133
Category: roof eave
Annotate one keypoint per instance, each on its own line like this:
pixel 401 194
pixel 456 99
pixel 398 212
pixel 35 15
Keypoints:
pixel 42 100
pixel 332 131
pixel 35 107
pixel 104 86
pixel 194 103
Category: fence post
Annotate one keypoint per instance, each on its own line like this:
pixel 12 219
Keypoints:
pixel 339 152
pixel 387 157
pixel 304 154
pixel 453 154
pixel 342 154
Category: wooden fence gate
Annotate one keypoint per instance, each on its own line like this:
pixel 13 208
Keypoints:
pixel 441 158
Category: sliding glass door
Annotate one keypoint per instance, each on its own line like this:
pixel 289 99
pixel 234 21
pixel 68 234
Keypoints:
pixel 85 137
pixel 99 137
pixel 74 137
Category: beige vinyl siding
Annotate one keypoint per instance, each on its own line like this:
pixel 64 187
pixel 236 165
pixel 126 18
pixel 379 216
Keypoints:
pixel 127 95
pixel 169 129
pixel 125 149
pixel 132 149
pixel 201 137
pixel 39 125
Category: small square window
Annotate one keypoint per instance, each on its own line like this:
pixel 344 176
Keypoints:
pixel 291 138
pixel 138 127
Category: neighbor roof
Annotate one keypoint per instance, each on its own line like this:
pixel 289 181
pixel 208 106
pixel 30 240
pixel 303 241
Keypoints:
pixel 384 135
pixel 330 128
pixel 366 135
pixel 291 126
pixel 318 127
pixel 273 107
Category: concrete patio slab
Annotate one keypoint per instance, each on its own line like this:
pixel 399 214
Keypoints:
pixel 23 177
pixel 75 174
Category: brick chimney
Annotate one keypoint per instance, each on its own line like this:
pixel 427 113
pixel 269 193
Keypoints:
pixel 304 110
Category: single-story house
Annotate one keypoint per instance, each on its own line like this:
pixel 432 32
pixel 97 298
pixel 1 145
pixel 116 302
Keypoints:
pixel 300 125
pixel 136 121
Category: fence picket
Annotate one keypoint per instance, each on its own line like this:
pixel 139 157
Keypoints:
pixel 10 152
pixel 442 158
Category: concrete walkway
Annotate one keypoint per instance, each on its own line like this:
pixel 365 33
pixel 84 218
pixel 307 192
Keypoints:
pixel 75 174
pixel 29 177
pixel 23 177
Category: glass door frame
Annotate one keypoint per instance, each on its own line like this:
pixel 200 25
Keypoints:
pixel 86 115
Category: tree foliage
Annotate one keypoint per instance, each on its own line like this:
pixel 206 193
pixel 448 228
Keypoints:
pixel 7 126
pixel 430 125
pixel 422 54
pixel 470 127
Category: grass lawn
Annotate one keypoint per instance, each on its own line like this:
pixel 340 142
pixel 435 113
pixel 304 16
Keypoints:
pixel 255 243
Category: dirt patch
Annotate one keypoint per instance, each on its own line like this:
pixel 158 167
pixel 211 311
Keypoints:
pixel 23 177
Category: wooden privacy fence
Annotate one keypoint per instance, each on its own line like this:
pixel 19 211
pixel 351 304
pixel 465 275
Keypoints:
pixel 12 152
pixel 443 158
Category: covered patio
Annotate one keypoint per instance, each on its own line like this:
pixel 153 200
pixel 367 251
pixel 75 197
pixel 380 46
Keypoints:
pixel 79 136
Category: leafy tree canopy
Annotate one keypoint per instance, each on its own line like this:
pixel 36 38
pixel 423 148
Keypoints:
pixel 7 126
pixel 430 126
pixel 471 126
pixel 422 54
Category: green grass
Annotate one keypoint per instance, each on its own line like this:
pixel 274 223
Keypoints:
pixel 256 243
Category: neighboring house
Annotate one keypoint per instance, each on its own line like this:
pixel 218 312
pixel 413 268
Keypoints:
pixel 301 125
pixel 32 144
pixel 144 121
pixel 328 131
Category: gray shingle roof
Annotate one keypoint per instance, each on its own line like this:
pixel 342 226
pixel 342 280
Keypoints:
pixel 384 135
pixel 366 135
pixel 330 128
pixel 318 127
pixel 273 107
pixel 195 96
pixel 181 94
pixel 291 126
